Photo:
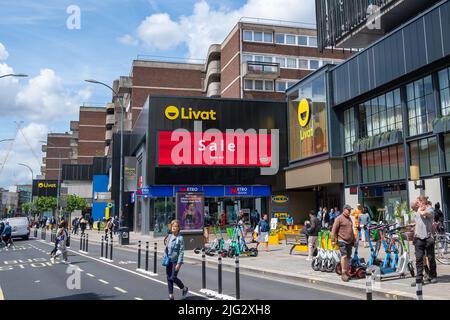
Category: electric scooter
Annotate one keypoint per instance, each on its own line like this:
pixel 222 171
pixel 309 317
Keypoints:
pixel 317 261
pixel 333 257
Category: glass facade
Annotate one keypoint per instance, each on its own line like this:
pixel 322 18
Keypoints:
pixel 381 114
pixel 447 151
pixel 351 177
pixel 420 103
pixel 349 129
pixel 383 165
pixel 424 154
pixel 444 89
pixel 312 138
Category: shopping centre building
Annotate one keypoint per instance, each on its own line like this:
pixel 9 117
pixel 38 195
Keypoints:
pixel 376 124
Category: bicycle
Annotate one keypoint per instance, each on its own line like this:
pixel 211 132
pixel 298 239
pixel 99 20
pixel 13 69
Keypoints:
pixel 442 246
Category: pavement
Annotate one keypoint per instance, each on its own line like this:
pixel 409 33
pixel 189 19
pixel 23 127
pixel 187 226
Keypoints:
pixel 26 273
pixel 278 265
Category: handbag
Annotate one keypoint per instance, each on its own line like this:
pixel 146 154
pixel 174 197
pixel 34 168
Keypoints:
pixel 165 260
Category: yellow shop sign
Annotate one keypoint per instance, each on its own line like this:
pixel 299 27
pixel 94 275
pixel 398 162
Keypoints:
pixel 280 199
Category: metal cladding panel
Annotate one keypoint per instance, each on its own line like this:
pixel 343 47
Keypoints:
pixel 364 79
pixel 434 36
pixel 445 23
pixel 76 172
pixel 372 72
pixel 353 77
pixel 415 50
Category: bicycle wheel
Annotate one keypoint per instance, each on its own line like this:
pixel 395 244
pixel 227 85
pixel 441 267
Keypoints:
pixel 442 250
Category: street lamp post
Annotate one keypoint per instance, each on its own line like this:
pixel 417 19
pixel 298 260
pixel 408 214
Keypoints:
pixel 122 110
pixel 32 175
pixel 16 75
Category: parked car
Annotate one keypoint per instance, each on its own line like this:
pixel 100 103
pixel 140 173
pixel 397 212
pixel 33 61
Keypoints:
pixel 20 227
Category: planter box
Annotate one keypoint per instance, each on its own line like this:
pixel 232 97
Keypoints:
pixel 438 126
pixel 274 239
pixel 395 137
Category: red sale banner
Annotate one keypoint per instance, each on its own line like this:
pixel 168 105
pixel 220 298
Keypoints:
pixel 215 148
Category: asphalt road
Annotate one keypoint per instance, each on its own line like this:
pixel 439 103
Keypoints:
pixel 27 273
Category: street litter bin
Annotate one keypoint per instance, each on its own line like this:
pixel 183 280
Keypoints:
pixel 124 235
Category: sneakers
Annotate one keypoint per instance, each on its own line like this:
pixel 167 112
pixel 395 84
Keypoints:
pixel 171 297
pixel 433 281
pixel 52 260
pixel 185 291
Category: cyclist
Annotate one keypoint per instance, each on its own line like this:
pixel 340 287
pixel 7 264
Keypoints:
pixel 7 231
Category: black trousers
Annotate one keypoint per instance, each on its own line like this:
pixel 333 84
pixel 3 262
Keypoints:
pixel 424 248
pixel 172 277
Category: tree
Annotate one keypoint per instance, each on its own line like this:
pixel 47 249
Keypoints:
pixel 44 204
pixel 27 207
pixel 75 202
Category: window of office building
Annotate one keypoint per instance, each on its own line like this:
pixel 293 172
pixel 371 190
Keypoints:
pixel 444 88
pixel 383 165
pixel 381 114
pixel 313 41
pixel 279 38
pixel 351 177
pixel 420 106
pixel 302 40
pixel 314 64
pixel 424 154
pixel 258 36
pixel 349 129
pixel 447 151
pixel 259 85
pixel 283 85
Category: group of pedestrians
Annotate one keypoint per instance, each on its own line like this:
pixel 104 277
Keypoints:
pixel 327 217
pixel 344 236
pixel 5 233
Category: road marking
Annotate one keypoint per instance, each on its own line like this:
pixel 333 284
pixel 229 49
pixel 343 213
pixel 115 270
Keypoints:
pixel 120 290
pixel 90 275
pixel 136 298
pixel 130 271
pixel 2 297
pixel 103 281
pixel 37 281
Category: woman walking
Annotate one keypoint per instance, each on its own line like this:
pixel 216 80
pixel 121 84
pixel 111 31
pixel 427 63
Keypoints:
pixel 61 238
pixel 174 254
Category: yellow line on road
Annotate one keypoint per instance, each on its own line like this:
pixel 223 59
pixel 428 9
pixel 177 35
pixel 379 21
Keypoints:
pixel 120 290
pixel 2 297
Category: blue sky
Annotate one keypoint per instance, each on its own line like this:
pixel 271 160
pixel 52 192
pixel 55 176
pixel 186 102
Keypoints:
pixel 34 39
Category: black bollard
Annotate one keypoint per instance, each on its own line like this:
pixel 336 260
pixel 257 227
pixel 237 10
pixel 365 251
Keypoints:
pixel 203 269
pixel 219 270
pixel 155 258
pixel 139 255
pixel 368 285
pixel 238 288
pixel 106 247
pixel 111 253
pixel 87 243
pixel 146 256
pixel 101 248
pixel 35 232
pixel 81 242
pixel 419 292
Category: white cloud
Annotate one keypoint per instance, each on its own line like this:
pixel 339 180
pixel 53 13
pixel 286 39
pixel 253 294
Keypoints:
pixel 160 31
pixel 3 53
pixel 128 40
pixel 206 26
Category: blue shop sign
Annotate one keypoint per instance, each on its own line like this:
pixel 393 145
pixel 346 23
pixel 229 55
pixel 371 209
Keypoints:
pixel 208 191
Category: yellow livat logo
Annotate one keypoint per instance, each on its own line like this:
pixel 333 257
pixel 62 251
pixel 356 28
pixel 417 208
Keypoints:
pixel 304 112
pixel 46 185
pixel 173 113
pixel 40 185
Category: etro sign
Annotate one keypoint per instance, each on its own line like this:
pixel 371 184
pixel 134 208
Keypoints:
pixel 45 188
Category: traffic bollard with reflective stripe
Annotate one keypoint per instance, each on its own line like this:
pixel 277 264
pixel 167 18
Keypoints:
pixel 219 270
pixel 238 287
pixel 155 258
pixel 146 256
pixel 203 269
pixel 101 248
pixel 419 292
pixel 139 255
pixel 87 243
pixel 111 253
pixel 106 247
pixel 368 285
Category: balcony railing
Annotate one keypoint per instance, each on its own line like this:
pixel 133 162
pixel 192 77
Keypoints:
pixel 261 70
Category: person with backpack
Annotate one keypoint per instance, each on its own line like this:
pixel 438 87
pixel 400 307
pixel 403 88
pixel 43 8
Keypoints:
pixel 61 238
pixel 312 229
pixel 263 232
pixel 7 232
pixel 173 259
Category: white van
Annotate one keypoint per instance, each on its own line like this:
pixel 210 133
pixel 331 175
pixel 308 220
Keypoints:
pixel 20 227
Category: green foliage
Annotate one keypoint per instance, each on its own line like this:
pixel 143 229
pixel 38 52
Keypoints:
pixel 27 207
pixel 44 204
pixel 75 202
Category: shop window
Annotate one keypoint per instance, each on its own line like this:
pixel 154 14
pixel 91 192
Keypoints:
pixel 349 129
pixel 383 165
pixel 351 170
pixel 420 106
pixel 444 90
pixel 424 154
pixel 385 161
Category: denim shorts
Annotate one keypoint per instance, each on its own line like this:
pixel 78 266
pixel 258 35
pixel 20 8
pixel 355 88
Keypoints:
pixel 345 248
